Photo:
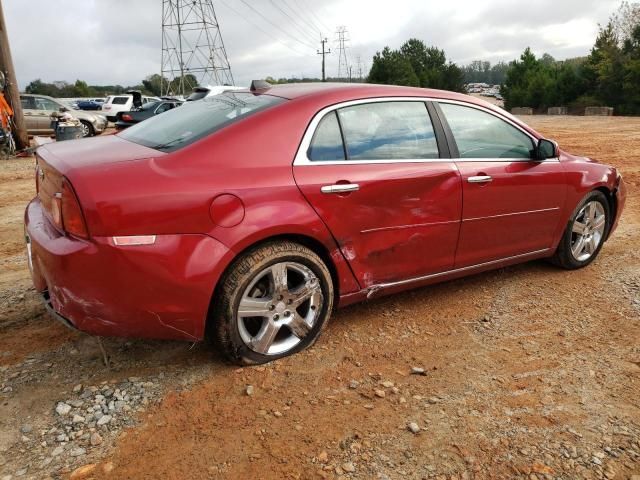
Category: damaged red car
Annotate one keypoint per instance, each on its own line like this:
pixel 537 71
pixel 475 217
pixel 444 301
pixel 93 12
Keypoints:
pixel 248 217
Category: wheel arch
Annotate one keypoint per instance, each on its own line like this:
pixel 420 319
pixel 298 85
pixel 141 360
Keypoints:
pixel 92 130
pixel 311 243
pixel 613 206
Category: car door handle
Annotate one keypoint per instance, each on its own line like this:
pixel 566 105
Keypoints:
pixel 480 179
pixel 340 188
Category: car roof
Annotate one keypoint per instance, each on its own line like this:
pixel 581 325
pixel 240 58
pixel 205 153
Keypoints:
pixel 292 91
pixel 327 93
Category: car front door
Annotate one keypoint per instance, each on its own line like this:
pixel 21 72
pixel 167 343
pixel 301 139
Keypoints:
pixel 45 107
pixel 512 202
pixel 374 172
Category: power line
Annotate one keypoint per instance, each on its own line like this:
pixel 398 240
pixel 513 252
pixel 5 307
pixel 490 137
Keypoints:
pixel 244 17
pixel 277 27
pixel 302 16
pixel 301 29
pixel 310 10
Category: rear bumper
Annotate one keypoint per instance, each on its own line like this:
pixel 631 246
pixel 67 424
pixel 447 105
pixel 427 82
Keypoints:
pixel 152 291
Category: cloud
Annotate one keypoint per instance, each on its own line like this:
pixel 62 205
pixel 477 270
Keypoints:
pixel 119 41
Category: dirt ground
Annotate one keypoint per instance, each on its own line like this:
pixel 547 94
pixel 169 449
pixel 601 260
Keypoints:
pixel 529 372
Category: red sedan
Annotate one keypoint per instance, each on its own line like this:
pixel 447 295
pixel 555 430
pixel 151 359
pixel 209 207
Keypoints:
pixel 248 216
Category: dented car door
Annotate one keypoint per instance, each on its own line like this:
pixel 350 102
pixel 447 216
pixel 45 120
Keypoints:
pixel 373 172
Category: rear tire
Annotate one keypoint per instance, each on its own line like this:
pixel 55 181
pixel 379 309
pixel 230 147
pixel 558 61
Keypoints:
pixel 585 233
pixel 273 301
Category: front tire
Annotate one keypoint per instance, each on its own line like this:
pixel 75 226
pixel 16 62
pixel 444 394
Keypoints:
pixel 87 129
pixel 273 302
pixel 585 233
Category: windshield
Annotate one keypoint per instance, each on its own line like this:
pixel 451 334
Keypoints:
pixel 150 105
pixel 182 126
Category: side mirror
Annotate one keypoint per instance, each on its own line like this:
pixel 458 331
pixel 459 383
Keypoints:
pixel 64 109
pixel 546 149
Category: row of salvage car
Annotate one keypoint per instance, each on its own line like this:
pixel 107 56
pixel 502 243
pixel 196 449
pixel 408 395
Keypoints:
pixel 124 110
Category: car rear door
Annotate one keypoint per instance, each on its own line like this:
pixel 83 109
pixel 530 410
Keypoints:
pixel 512 203
pixel 30 114
pixel 380 178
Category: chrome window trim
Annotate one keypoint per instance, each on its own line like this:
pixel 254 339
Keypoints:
pixel 504 119
pixel 302 159
pixel 301 155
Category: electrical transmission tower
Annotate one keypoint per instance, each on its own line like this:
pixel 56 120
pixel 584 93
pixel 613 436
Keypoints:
pixel 359 67
pixel 192 48
pixel 343 63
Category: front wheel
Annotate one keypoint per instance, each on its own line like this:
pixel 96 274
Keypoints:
pixel 273 302
pixel 87 129
pixel 585 233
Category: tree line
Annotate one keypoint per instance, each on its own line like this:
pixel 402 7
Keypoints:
pixel 608 76
pixel 154 85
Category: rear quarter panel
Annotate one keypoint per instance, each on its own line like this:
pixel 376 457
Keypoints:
pixel 172 194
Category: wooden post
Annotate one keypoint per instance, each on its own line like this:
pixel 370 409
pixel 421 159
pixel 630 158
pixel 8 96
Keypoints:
pixel 11 92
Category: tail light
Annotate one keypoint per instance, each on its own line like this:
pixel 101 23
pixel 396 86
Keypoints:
pixel 127 118
pixel 66 212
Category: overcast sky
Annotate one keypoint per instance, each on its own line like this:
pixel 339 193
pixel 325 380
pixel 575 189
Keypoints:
pixel 119 41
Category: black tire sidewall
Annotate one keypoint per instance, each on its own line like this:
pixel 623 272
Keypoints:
pixel 567 257
pixel 241 352
pixel 89 126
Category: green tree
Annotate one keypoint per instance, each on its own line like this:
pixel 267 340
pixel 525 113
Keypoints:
pixel 81 89
pixel 604 68
pixel 416 65
pixel 153 84
pixel 631 76
pixel 390 67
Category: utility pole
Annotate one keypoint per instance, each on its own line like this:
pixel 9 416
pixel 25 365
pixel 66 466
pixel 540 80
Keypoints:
pixel 323 53
pixel 11 89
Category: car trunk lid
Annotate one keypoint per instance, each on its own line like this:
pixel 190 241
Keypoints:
pixel 67 156
pixel 56 161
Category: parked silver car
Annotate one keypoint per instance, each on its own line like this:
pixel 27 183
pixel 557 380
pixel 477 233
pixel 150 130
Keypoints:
pixel 37 111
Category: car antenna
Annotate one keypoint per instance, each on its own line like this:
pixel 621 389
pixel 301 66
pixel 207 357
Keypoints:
pixel 260 85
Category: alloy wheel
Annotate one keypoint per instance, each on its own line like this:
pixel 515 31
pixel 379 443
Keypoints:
pixel 279 308
pixel 86 130
pixel 588 230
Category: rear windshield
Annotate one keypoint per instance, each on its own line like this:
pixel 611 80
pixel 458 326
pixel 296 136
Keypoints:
pixel 119 100
pixel 182 126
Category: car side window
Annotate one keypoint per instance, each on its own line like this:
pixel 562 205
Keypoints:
pixel 388 131
pixel 46 105
pixel 27 103
pixel 479 134
pixel 326 144
pixel 163 108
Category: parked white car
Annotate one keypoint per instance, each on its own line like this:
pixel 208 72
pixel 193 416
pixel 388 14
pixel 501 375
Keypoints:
pixel 203 92
pixel 124 103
